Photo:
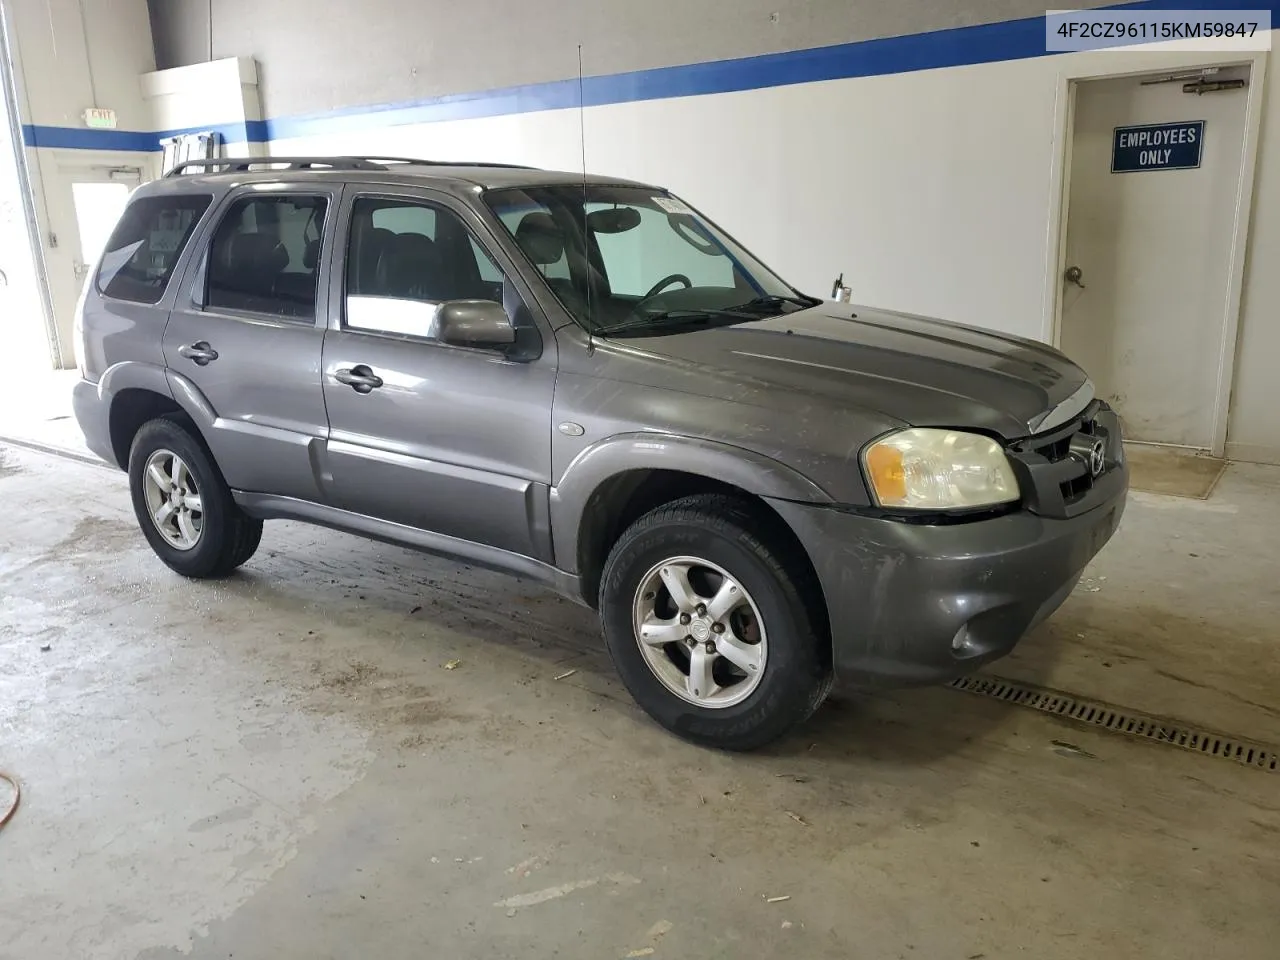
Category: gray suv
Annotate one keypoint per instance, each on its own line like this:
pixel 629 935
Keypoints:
pixel 586 382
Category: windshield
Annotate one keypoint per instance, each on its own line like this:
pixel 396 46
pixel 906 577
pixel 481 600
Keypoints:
pixel 645 259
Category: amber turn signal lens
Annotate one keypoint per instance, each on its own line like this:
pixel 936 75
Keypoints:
pixel 886 473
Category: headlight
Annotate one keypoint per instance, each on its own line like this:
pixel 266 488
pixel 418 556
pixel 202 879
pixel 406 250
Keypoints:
pixel 927 469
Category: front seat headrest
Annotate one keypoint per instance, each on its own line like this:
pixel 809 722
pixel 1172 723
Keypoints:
pixel 409 267
pixel 540 238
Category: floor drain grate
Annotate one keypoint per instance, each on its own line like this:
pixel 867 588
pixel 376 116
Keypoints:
pixel 1123 721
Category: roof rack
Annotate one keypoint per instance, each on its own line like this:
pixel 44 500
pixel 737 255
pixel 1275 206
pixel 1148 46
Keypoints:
pixel 445 163
pixel 244 164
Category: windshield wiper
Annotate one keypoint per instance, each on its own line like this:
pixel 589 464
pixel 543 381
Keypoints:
pixel 777 300
pixel 672 317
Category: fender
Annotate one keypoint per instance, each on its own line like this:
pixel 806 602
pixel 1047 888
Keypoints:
pixel 154 378
pixel 197 405
pixel 136 375
pixel 133 375
pixel 247 451
pixel 746 469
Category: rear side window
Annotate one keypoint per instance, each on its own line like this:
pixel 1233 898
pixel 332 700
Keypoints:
pixel 264 256
pixel 146 244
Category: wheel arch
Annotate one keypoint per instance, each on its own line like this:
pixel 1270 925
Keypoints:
pixel 141 392
pixel 615 482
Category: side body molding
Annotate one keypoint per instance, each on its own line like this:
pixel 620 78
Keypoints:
pixel 189 397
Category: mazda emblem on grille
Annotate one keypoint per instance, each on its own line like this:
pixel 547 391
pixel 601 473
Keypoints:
pixel 1097 458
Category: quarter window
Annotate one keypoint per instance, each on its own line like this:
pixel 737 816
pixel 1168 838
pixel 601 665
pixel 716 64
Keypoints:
pixel 264 256
pixel 146 244
pixel 404 258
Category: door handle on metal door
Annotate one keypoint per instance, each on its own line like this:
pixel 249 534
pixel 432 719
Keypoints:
pixel 359 378
pixel 199 353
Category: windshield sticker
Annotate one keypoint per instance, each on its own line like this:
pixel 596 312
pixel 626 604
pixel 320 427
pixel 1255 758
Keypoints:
pixel 672 205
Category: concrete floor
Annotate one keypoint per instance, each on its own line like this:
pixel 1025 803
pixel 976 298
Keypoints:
pixel 282 766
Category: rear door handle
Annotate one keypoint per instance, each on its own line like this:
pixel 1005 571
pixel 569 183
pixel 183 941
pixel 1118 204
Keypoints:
pixel 359 378
pixel 199 353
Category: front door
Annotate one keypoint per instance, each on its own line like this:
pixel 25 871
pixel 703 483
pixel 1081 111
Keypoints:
pixel 1155 174
pixel 448 439
pixel 244 332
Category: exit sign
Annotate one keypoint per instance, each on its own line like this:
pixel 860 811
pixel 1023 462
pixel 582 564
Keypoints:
pixel 100 118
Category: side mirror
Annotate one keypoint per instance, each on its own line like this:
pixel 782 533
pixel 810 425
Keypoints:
pixel 472 323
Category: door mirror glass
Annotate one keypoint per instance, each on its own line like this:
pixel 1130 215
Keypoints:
pixel 473 323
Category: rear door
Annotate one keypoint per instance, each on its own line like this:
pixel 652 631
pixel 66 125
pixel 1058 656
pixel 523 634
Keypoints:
pixel 452 440
pixel 245 334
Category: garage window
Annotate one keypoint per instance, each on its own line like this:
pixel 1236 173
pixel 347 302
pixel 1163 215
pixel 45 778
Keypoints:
pixel 146 244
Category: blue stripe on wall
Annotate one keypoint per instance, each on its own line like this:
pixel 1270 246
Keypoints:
pixel 75 138
pixel 82 138
pixel 960 46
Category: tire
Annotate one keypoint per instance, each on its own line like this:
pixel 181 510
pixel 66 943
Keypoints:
pixel 226 535
pixel 782 596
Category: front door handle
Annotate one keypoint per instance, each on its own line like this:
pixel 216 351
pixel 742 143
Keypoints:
pixel 199 353
pixel 359 378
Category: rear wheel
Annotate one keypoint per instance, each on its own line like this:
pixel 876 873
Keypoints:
pixel 183 505
pixel 712 623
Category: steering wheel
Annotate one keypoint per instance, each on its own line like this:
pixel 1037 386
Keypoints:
pixel 665 282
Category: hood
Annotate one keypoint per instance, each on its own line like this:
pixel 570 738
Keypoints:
pixel 913 369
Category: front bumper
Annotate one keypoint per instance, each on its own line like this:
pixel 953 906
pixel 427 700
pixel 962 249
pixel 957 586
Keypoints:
pixel 915 603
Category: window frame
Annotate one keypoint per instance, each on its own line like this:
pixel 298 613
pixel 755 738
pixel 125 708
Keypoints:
pixel 476 229
pixel 193 243
pixel 196 282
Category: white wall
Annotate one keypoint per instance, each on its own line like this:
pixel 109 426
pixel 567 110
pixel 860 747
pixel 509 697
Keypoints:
pixel 934 192
pixel 68 64
pixel 65 62
pixel 217 93
pixel 1253 432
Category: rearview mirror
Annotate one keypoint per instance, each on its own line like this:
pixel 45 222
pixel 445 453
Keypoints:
pixel 615 220
pixel 472 323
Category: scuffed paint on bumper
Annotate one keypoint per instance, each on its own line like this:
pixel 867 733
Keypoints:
pixel 917 603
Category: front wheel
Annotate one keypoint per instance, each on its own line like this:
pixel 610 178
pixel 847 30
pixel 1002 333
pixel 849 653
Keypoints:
pixel 712 619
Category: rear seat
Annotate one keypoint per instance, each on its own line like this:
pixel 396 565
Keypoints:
pixel 243 272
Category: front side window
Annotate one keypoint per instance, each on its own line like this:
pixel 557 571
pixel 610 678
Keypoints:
pixel 405 258
pixel 146 244
pixel 265 255
pixel 636 259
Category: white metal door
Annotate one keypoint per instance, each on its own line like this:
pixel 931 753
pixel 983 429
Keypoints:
pixel 1148 256
pixel 99 195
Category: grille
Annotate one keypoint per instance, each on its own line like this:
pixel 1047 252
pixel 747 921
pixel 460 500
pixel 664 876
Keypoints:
pixel 1058 480
pixel 1058 451
pixel 1119 720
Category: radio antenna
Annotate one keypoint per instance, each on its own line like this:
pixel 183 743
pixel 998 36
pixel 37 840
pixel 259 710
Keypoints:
pixel 586 250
